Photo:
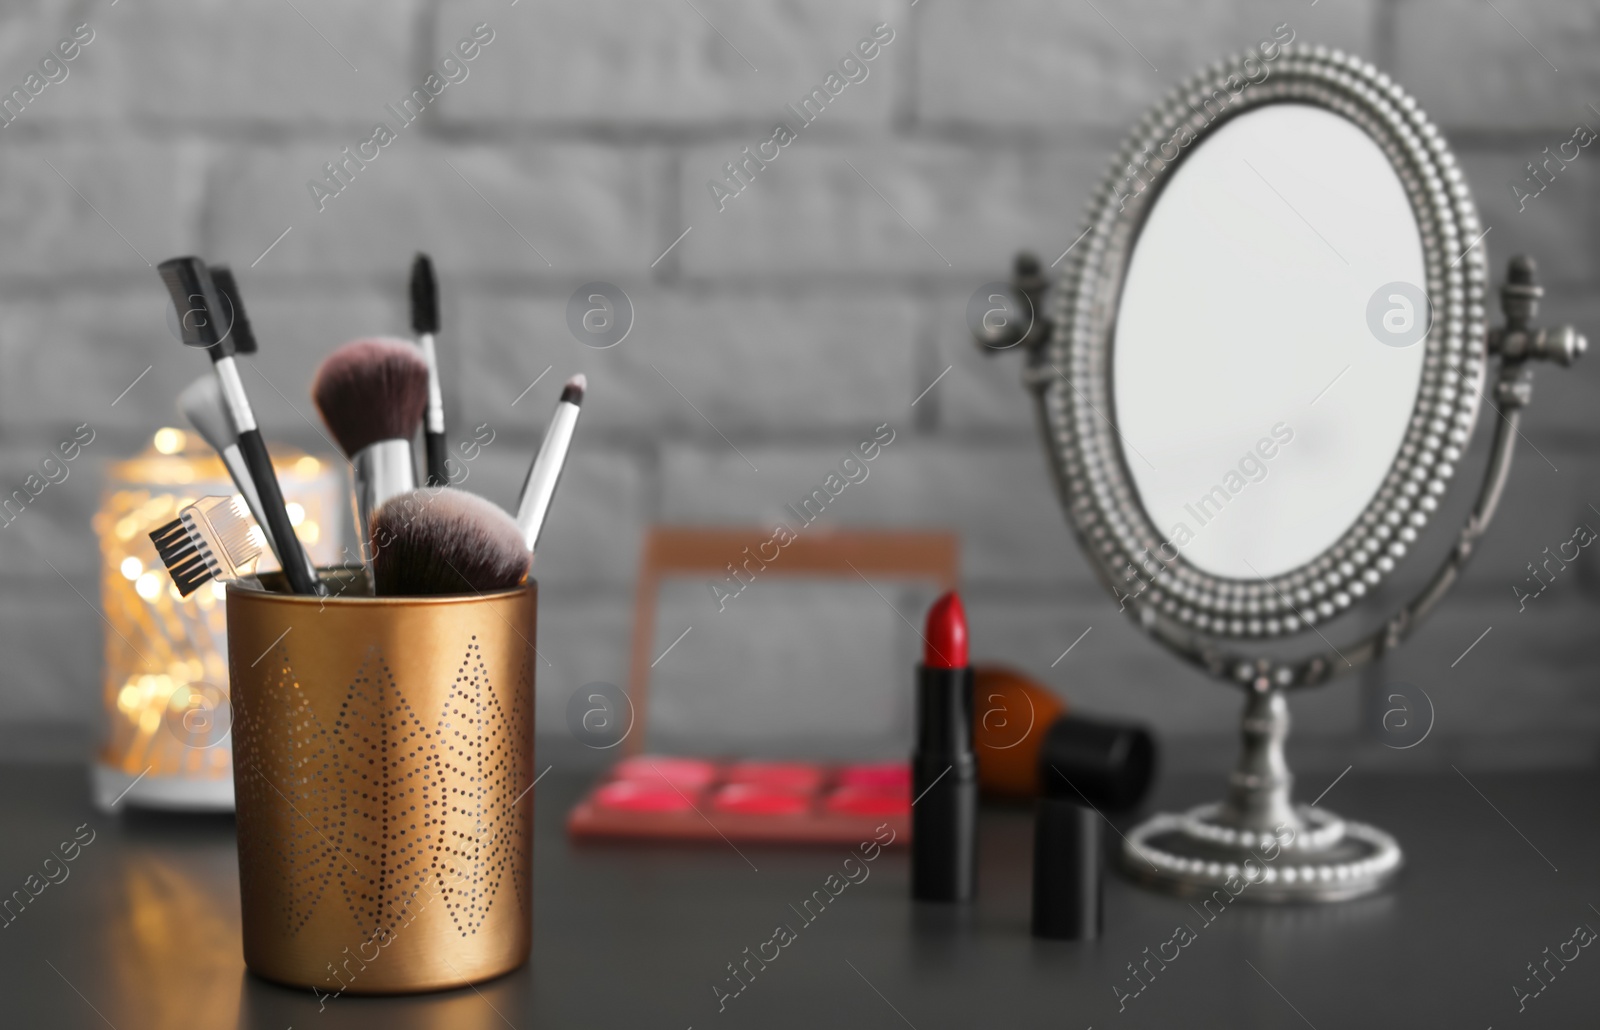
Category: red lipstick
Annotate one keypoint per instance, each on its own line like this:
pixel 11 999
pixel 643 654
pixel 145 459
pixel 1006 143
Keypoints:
pixel 944 768
pixel 945 637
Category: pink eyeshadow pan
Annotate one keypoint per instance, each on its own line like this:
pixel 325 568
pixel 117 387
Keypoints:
pixel 751 799
pixel 881 776
pixel 793 776
pixel 687 774
pixel 635 796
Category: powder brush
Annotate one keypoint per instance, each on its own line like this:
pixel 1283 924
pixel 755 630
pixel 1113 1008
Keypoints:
pixel 441 540
pixel 372 394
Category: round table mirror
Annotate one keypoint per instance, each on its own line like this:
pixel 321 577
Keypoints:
pixel 1260 371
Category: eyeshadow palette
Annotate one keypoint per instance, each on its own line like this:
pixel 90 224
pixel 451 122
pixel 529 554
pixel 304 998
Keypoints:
pixel 774 802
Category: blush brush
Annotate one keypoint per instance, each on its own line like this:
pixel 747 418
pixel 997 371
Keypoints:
pixel 372 394
pixel 442 540
pixel 425 323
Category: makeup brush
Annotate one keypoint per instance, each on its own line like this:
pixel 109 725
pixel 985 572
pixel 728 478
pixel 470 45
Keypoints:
pixel 201 403
pixel 425 323
pixel 210 539
pixel 545 473
pixel 372 394
pixel 1030 744
pixel 204 323
pixel 244 339
pixel 444 541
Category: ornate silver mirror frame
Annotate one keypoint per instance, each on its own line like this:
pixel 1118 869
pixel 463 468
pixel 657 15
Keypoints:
pixel 1255 836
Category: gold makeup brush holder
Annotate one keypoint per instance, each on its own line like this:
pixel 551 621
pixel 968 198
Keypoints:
pixel 383 760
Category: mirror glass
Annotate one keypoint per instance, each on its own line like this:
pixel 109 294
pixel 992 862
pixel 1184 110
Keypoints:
pixel 1269 340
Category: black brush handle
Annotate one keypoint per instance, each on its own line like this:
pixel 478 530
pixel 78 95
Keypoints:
pixel 290 554
pixel 437 453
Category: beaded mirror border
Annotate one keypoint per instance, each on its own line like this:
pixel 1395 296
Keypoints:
pixel 1170 597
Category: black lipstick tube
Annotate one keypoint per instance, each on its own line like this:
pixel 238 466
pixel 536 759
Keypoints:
pixel 944 777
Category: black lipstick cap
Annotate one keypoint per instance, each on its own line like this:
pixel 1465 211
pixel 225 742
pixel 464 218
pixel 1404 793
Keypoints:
pixel 1108 765
pixel 1068 874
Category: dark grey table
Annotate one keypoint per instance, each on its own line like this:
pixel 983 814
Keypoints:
pixel 144 931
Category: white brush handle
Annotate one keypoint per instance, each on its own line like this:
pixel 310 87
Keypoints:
pixel 233 395
pixel 540 487
pixel 435 423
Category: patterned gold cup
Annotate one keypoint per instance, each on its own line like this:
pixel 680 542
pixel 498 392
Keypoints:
pixel 383 755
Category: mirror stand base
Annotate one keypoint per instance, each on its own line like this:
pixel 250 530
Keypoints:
pixel 1256 845
pixel 1195 853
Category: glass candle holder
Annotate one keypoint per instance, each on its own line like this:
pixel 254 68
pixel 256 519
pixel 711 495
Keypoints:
pixel 166 694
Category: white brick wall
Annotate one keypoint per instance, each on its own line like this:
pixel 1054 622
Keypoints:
pixel 750 363
pixel 217 62
pixel 148 195
pixel 1522 64
pixel 820 303
pixel 656 67
pixel 1047 65
pixel 587 208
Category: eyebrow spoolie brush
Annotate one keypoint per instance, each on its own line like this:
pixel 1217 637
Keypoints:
pixel 201 403
pixel 545 473
pixel 425 323
pixel 201 312
pixel 244 338
pixel 372 394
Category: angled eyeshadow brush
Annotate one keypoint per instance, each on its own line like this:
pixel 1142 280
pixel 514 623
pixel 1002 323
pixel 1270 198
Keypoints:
pixel 201 403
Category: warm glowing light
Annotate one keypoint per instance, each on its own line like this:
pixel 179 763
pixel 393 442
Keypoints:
pixel 297 513
pixel 148 586
pixel 159 648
